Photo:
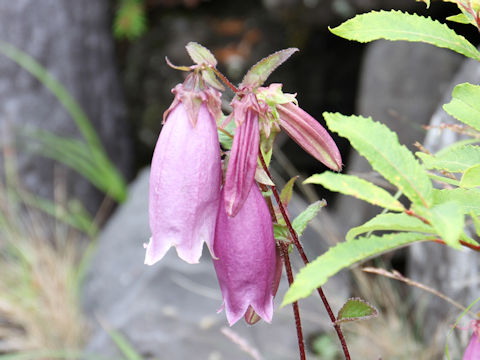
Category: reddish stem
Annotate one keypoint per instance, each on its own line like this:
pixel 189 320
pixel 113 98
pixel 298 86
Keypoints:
pixel 296 312
pixel 305 259
pixel 224 79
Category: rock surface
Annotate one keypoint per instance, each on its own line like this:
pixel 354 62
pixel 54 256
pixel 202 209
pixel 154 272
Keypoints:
pixel 169 310
pixel 73 41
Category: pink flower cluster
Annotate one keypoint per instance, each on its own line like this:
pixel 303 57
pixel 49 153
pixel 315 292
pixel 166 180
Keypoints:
pixel 190 203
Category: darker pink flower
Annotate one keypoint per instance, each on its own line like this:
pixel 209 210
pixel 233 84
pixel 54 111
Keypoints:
pixel 185 176
pixel 243 156
pixel 246 262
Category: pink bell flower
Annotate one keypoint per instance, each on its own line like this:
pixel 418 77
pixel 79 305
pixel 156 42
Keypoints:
pixel 185 176
pixel 246 263
pixel 473 349
pixel 244 152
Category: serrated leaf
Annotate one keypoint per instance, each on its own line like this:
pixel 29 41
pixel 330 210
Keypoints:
pixel 465 105
pixel 457 160
pixel 359 188
pixel 468 199
pixel 396 25
pixel 280 232
pixel 471 177
pixel 286 194
pixel 301 221
pixel 448 221
pixel 356 309
pixel 380 146
pixel 459 18
pixel 390 222
pixel 259 72
pixel 200 54
pixel 341 256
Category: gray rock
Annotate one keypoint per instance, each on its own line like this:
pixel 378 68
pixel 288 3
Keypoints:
pixel 72 39
pixel 169 310
pixel 401 85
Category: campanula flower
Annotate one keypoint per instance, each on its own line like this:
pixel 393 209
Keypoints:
pixel 244 152
pixel 246 258
pixel 185 176
pixel 473 349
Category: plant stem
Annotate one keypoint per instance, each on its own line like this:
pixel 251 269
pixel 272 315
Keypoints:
pixel 305 259
pixel 296 312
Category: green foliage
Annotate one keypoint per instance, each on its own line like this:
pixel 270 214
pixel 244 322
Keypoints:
pixel 390 222
pixel 381 148
pixel 287 191
pixel 471 177
pixel 301 221
pixel 200 54
pixel 465 105
pixel 359 188
pixel 396 25
pixel 448 221
pixel 342 256
pixel 458 159
pixel 356 309
pixel 130 20
pixel 87 158
pixel 259 72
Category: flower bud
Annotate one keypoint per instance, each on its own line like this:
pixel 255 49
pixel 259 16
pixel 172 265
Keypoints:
pixel 185 177
pixel 309 134
pixel 246 262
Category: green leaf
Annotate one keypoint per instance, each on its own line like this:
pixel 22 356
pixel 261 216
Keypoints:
pixel 396 25
pixel 226 140
pixel 259 72
pixel 301 221
pixel 468 199
pixel 286 194
pixel 459 18
pixel 457 160
pixel 465 104
pixel 448 220
pixel 280 232
pixel 380 146
pixel 356 309
pixel 341 256
pixel 359 188
pixel 390 222
pixel 130 20
pixel 471 177
pixel 200 54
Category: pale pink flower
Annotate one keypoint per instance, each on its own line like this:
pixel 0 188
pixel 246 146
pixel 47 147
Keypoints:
pixel 246 262
pixel 185 177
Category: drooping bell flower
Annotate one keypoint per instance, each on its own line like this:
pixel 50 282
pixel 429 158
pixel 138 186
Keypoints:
pixel 185 176
pixel 473 349
pixel 246 259
pixel 243 155
pixel 303 128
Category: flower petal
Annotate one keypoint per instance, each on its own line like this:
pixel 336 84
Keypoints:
pixel 185 182
pixel 246 260
pixel 242 164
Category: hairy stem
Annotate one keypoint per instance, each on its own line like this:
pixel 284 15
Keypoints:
pixel 299 247
pixel 296 312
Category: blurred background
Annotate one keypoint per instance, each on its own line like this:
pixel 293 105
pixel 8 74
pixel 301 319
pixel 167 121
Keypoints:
pixel 83 87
